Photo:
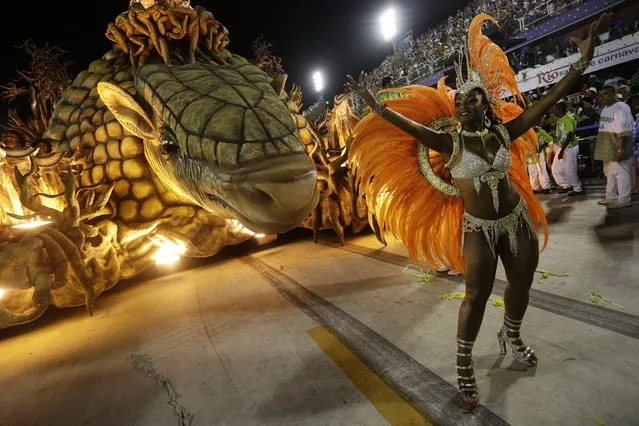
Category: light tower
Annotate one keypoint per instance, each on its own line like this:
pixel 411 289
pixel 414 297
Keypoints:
pixel 318 81
pixel 388 22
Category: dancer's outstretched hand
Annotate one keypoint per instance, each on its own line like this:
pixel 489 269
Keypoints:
pixel 360 88
pixel 587 47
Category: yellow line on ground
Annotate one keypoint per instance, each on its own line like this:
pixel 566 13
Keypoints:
pixel 386 400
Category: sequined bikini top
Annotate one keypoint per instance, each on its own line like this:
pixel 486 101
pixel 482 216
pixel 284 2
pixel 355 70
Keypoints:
pixel 472 166
pixel 464 164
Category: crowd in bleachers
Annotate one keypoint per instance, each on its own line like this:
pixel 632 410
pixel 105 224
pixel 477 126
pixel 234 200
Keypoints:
pixel 430 51
pixel 555 48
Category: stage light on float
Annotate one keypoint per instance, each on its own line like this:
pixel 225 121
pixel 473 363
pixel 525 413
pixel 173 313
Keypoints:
pixel 1 293
pixel 32 224
pixel 237 228
pixel 388 21
pixel 318 81
pixel 169 251
pixel 260 239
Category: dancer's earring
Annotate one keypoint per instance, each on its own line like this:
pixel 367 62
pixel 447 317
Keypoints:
pixel 487 122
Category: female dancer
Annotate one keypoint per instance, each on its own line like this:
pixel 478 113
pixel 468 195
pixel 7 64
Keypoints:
pixel 476 204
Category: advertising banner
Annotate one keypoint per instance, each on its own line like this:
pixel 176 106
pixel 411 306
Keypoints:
pixel 606 55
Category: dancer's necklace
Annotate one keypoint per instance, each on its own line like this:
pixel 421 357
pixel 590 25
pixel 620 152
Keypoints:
pixel 479 134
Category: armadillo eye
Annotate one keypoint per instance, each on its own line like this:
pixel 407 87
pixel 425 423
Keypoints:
pixel 168 144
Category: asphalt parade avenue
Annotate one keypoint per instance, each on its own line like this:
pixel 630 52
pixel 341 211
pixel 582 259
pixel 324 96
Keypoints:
pixel 297 333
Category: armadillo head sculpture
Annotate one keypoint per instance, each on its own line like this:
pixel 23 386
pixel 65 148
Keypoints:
pixel 220 137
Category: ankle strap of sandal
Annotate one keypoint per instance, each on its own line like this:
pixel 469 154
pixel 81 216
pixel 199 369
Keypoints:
pixel 465 344
pixel 512 326
pixel 512 322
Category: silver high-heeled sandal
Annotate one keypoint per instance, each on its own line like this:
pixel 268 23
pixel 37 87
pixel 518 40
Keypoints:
pixel 509 333
pixel 466 373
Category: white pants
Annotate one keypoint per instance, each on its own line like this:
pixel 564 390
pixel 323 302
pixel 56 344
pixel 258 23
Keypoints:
pixel 618 180
pixel 565 170
pixel 538 173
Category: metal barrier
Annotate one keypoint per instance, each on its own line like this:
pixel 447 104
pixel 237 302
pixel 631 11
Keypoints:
pixel 587 166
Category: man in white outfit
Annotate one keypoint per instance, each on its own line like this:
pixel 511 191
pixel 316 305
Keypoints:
pixel 614 148
pixel 564 166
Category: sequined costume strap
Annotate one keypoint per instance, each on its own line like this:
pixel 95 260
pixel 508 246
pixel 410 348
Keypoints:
pixel 454 157
pixel 501 129
pixel 423 157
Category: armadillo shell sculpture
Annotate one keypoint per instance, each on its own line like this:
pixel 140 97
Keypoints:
pixel 168 144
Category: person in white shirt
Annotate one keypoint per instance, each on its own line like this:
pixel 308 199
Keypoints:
pixel 614 148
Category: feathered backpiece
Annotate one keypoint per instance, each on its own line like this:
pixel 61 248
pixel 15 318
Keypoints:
pixel 388 170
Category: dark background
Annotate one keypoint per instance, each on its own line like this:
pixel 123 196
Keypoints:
pixel 335 36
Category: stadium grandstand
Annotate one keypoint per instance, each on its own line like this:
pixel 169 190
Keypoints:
pixel 536 37
pixel 533 33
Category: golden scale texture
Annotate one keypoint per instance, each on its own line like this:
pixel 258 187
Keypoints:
pixel 88 131
pixel 88 249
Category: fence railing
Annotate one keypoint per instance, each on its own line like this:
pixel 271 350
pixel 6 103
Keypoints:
pixel 543 11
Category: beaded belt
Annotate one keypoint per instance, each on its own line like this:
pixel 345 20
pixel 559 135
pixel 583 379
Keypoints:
pixel 494 229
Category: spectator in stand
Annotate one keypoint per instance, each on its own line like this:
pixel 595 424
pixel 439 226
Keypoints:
pixel 610 81
pixel 584 90
pixel 592 94
pixel 626 27
pixel 614 148
pixel 587 116
pixel 537 171
pixel 540 57
pixel 614 33
pixel 623 93
pixel 613 80
pixel 559 52
pixel 594 81
pixel 564 166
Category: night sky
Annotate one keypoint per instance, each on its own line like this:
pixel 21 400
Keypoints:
pixel 335 36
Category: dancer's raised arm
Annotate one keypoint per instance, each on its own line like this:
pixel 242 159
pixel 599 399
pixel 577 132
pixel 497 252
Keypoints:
pixel 531 115
pixel 432 139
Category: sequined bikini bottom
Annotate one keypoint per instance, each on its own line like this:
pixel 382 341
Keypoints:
pixel 494 229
